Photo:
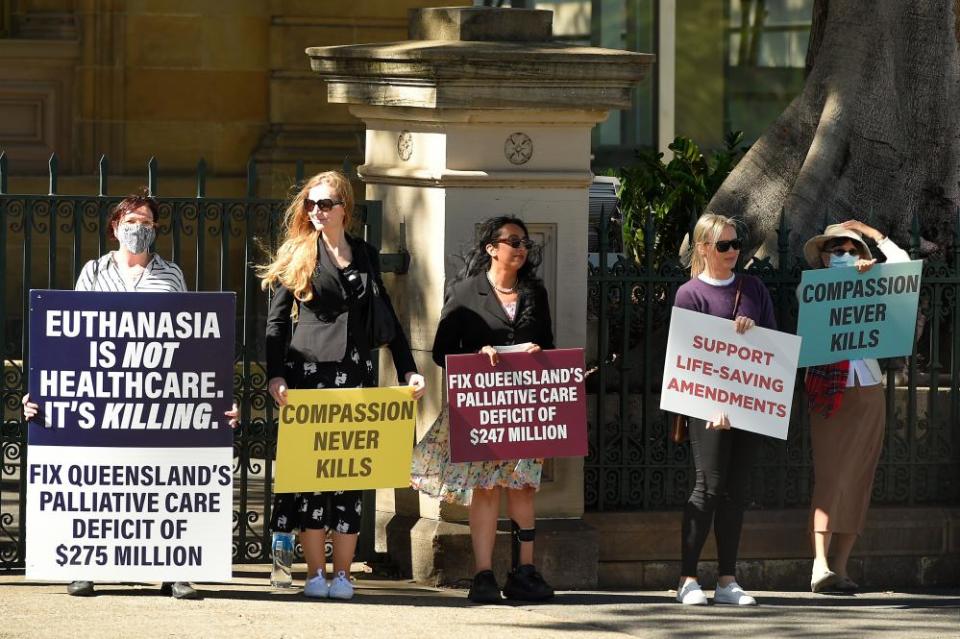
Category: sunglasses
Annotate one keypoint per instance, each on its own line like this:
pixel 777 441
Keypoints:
pixel 516 242
pixel 324 205
pixel 725 245
pixel 839 252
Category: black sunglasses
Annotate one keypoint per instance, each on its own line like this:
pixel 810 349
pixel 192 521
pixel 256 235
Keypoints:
pixel 725 245
pixel 839 252
pixel 516 242
pixel 324 205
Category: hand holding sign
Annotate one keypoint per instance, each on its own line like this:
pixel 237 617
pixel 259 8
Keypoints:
pixel 848 315
pixel 730 378
pixel 345 439
pixel 136 483
pixel 531 405
pixel 278 390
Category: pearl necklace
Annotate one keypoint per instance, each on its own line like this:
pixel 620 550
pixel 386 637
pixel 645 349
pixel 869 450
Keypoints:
pixel 502 291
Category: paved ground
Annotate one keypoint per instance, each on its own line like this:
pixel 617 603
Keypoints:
pixel 248 608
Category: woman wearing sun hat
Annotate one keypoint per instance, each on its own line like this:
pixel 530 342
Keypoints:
pixel 847 419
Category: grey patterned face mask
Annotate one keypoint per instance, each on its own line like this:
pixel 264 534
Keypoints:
pixel 136 238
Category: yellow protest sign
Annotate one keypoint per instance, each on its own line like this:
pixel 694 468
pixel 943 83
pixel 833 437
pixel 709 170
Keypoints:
pixel 345 439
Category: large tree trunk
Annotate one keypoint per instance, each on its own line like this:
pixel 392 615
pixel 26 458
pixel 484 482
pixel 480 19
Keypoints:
pixel 875 134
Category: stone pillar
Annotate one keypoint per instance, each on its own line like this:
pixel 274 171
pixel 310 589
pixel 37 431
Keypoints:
pixel 480 114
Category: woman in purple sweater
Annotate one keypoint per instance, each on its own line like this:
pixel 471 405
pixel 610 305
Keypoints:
pixel 723 457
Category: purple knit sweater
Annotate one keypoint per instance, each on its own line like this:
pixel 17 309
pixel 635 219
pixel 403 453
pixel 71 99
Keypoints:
pixel 755 302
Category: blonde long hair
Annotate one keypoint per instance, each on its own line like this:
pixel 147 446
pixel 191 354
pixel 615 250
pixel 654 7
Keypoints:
pixel 296 258
pixel 708 229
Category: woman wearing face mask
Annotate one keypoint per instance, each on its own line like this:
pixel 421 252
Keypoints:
pixel 723 457
pixel 847 419
pixel 131 268
pixel 322 275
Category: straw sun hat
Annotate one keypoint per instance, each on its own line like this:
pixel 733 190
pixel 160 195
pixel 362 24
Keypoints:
pixel 814 246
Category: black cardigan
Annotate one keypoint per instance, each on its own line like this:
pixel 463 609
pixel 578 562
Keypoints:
pixel 321 318
pixel 472 318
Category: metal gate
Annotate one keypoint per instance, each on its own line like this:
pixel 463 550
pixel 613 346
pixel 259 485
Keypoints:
pixel 44 242
pixel 632 464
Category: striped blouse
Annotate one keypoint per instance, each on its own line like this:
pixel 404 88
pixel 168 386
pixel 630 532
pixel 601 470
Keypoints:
pixel 103 275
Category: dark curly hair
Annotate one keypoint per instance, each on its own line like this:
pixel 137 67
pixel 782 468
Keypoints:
pixel 477 259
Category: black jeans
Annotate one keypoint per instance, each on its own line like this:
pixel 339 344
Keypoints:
pixel 723 460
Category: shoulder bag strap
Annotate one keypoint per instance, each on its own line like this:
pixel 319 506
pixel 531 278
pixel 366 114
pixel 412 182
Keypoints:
pixel 736 300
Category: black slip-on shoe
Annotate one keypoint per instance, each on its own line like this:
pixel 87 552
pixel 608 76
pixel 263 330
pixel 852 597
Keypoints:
pixel 80 589
pixel 526 584
pixel 484 588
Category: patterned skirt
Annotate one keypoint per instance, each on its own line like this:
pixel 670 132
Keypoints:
pixel 434 474
pixel 337 510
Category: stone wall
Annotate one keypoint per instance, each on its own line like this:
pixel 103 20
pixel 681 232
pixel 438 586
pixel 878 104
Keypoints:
pixel 179 80
pixel 900 548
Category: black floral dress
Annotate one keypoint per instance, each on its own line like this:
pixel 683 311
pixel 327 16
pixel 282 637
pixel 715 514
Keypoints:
pixel 339 510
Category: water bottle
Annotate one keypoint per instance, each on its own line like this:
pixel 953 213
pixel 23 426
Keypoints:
pixel 280 576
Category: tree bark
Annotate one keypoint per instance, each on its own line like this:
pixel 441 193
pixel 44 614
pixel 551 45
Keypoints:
pixel 875 133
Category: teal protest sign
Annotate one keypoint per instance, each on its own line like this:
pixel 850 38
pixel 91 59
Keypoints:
pixel 849 315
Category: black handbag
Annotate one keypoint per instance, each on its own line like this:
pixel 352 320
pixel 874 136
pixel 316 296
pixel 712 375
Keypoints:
pixel 381 325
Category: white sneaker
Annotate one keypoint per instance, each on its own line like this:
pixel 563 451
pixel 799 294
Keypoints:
pixel 317 587
pixel 733 594
pixel 341 588
pixel 691 595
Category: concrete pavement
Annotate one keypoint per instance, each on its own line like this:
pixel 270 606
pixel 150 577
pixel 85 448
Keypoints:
pixel 248 607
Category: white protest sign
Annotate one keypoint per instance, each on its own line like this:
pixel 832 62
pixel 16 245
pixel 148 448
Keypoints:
pixel 135 514
pixel 710 368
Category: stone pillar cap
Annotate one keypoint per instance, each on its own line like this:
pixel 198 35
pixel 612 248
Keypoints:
pixel 457 74
pixel 480 58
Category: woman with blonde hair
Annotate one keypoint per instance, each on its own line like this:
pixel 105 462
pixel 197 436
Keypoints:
pixel 723 457
pixel 325 278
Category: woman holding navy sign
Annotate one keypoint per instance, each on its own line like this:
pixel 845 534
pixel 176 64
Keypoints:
pixel 324 277
pixel 131 268
pixel 847 419
pixel 497 300
pixel 723 457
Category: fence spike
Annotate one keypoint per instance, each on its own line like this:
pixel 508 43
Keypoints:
pixel 299 173
pixel 251 177
pixel 103 167
pixel 783 240
pixel 53 165
pixel 3 172
pixel 152 176
pixel 956 224
pixel 202 178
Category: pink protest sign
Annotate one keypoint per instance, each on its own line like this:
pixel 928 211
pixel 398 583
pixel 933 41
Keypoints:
pixel 529 405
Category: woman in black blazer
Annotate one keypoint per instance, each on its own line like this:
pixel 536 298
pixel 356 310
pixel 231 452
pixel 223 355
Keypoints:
pixel 321 276
pixel 496 301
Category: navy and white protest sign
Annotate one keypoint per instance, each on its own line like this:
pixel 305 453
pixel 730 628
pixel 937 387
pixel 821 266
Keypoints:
pixel 129 473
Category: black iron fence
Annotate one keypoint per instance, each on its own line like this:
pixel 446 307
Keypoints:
pixel 632 464
pixel 45 241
